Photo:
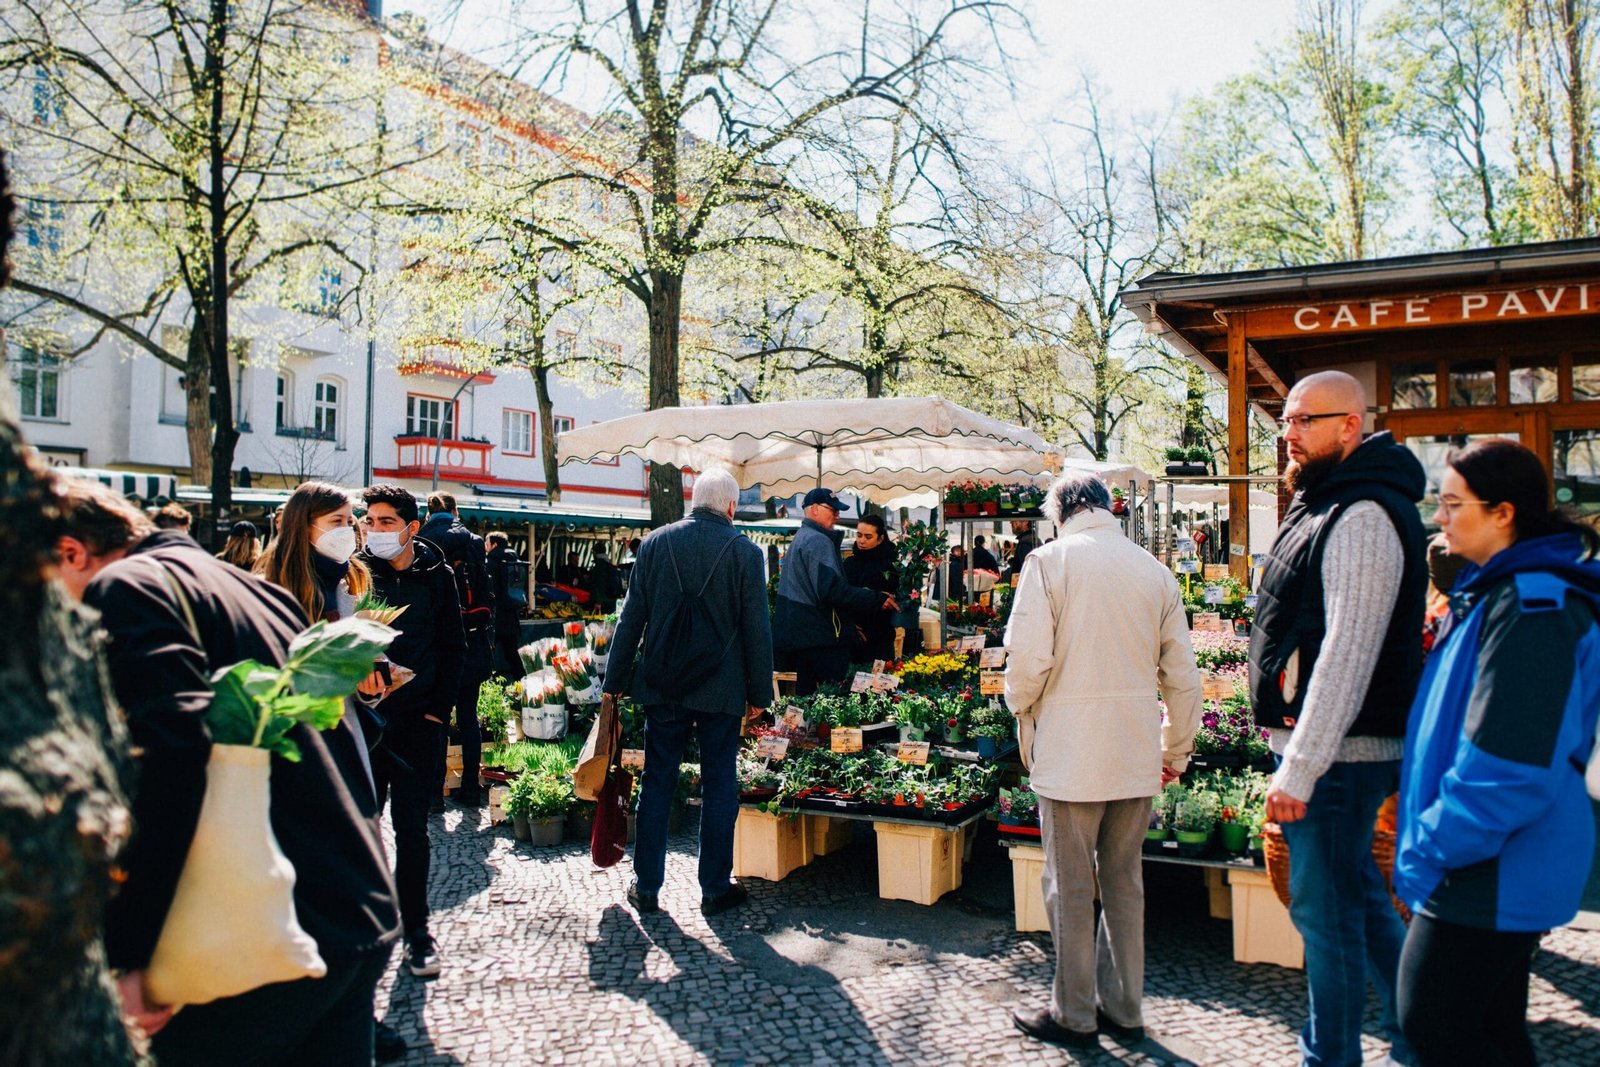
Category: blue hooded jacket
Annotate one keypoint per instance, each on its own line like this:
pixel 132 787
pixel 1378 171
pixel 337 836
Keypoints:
pixel 1496 828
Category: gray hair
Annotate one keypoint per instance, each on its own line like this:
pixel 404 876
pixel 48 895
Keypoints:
pixel 1075 491
pixel 715 489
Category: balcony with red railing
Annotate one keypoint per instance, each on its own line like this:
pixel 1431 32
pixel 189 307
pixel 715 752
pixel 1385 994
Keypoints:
pixel 445 359
pixel 459 458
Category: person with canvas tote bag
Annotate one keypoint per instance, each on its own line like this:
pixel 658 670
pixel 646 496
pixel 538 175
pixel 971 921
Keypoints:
pixel 174 614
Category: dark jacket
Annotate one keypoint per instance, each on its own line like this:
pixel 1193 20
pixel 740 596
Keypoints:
pixel 604 585
pixel 323 811
pixel 1290 617
pixel 1019 556
pixel 874 568
pixel 463 551
pixel 737 588
pixel 813 593
pixel 1496 827
pixel 983 559
pixel 505 572
pixel 431 640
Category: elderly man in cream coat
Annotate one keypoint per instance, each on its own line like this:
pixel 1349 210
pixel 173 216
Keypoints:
pixel 1097 625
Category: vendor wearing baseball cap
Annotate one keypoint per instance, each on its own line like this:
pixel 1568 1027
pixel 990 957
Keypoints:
pixel 814 597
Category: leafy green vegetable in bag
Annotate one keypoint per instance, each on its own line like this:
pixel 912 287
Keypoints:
pixel 257 705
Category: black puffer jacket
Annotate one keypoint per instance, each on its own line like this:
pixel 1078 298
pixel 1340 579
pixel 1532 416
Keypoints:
pixel 431 641
pixel 874 568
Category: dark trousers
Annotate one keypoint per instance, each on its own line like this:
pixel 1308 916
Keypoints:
pixel 313 1022
pixel 507 637
pixel 471 741
pixel 1464 994
pixel 402 770
pixel 816 666
pixel 667 729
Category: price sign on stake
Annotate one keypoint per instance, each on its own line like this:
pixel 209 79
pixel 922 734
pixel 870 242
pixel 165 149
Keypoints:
pixel 913 752
pixel 885 683
pixel 1209 621
pixel 633 759
pixel 861 682
pixel 878 665
pixel 772 747
pixel 793 717
pixel 992 658
pixel 992 683
pixel 973 643
pixel 845 739
pixel 1213 594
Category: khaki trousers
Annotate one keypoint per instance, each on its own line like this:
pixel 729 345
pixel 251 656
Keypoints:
pixel 1085 843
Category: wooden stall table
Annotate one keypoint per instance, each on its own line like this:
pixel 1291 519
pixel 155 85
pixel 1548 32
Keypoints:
pixel 1237 890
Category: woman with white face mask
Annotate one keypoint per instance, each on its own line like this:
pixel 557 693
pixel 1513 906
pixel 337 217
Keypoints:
pixel 313 556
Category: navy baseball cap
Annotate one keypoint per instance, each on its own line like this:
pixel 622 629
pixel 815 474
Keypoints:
pixel 824 496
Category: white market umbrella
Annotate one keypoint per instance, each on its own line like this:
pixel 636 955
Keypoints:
pixel 881 449
pixel 1189 497
pixel 1114 472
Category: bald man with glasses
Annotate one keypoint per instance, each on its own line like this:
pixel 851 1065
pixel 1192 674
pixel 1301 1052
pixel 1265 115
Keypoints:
pixel 1335 657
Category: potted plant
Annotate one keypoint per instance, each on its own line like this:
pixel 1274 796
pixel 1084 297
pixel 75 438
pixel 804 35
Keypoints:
pixel 1181 465
pixel 1232 831
pixel 1119 502
pixel 914 713
pixel 989 499
pixel 1195 817
pixel 538 805
pixel 1018 810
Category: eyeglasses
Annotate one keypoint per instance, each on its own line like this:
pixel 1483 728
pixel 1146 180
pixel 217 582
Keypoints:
pixel 1303 422
pixel 1449 505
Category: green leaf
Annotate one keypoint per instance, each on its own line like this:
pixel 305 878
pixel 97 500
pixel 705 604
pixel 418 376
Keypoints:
pixel 319 713
pixel 234 709
pixel 275 739
pixel 331 659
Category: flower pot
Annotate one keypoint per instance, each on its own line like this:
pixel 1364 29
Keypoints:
pixel 1187 470
pixel 987 747
pixel 1193 843
pixel 912 733
pixel 580 822
pixel 990 507
pixel 544 831
pixel 519 826
pixel 1235 836
pixel 1155 834
pixel 953 735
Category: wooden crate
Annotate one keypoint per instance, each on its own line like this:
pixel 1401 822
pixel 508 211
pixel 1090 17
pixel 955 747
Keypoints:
pixel 1262 932
pixel 497 800
pixel 824 836
pixel 917 863
pixel 767 846
pixel 1027 888
pixel 453 766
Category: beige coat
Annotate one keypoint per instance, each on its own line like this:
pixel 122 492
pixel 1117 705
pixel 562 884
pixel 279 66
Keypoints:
pixel 1096 626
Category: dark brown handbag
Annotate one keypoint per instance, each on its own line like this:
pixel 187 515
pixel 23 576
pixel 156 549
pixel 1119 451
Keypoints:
pixel 609 842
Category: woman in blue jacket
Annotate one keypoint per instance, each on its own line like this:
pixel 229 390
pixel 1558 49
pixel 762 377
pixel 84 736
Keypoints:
pixel 1496 831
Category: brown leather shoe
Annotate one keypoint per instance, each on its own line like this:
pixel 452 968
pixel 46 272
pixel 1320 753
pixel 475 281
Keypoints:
pixel 1117 1030
pixel 1041 1026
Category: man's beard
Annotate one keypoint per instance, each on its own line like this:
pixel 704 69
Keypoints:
pixel 1311 473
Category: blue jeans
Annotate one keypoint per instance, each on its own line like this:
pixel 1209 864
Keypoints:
pixel 667 728
pixel 1342 910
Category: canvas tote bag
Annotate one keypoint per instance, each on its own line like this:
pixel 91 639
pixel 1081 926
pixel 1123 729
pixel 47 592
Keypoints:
pixel 599 751
pixel 232 925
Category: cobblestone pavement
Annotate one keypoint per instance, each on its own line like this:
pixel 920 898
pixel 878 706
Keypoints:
pixel 544 963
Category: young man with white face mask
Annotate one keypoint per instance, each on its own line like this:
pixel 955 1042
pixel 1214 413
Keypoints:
pixel 408 571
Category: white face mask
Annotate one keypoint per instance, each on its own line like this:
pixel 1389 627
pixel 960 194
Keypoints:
pixel 385 544
pixel 338 544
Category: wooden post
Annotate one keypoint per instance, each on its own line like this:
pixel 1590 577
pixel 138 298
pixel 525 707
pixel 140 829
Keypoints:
pixel 1238 451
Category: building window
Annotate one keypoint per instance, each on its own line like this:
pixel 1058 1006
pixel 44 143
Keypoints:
pixel 284 405
pixel 566 347
pixel 516 432
pixel 561 423
pixel 325 409
pixel 430 416
pixel 1414 385
pixel 49 102
pixel 330 290
pixel 1472 384
pixel 615 461
pixel 1534 380
pixel 36 372
pixel 42 228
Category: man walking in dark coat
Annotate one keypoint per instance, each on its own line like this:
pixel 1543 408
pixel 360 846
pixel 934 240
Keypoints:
pixel 411 573
pixel 702 556
pixel 463 551
pixel 982 558
pixel 815 599
pixel 147 586
pixel 872 566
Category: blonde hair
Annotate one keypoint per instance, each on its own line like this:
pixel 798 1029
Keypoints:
pixel 287 561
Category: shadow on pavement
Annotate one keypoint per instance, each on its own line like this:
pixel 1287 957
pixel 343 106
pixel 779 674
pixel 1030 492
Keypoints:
pixel 406 999
pixel 462 852
pixel 1578 979
pixel 697 1003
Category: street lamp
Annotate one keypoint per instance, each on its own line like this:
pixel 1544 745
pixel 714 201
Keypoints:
pixel 438 443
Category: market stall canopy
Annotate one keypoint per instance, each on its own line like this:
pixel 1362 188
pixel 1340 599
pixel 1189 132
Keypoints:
pixel 146 487
pixel 881 449
pixel 1114 472
pixel 1189 497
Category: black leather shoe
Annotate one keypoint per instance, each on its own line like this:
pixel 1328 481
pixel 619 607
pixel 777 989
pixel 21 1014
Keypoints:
pixel 643 903
pixel 1116 1029
pixel 724 901
pixel 1039 1025
pixel 387 1044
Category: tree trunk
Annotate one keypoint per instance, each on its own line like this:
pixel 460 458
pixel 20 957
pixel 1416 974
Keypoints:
pixel 225 438
pixel 666 303
pixel 197 405
pixel 63 814
pixel 547 429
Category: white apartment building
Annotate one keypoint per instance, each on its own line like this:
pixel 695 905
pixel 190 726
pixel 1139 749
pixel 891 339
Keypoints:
pixel 308 375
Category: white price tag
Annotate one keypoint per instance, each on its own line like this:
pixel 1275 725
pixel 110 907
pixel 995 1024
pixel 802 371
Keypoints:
pixel 913 752
pixel 770 747
pixel 992 658
pixel 793 717
pixel 861 682
pixel 633 759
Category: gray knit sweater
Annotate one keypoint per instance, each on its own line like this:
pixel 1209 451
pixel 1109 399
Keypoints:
pixel 1361 569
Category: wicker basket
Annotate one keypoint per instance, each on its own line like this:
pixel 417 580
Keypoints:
pixel 1277 852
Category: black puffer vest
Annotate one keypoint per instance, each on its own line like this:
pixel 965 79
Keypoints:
pixel 1290 617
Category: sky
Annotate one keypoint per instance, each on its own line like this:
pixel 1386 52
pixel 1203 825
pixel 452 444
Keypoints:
pixel 1145 54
